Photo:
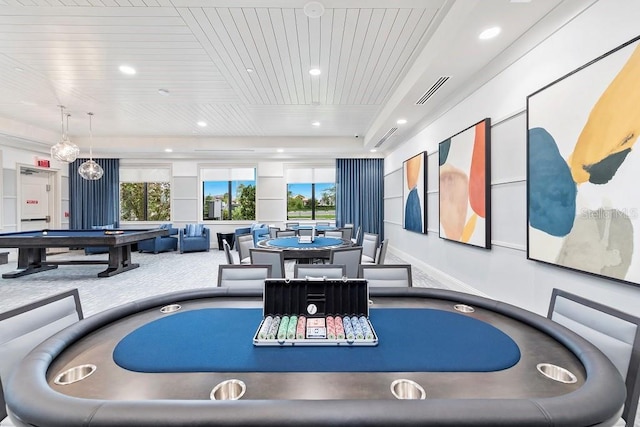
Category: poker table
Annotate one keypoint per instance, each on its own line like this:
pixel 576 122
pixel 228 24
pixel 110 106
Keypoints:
pixel 160 362
pixel 320 248
pixel 32 248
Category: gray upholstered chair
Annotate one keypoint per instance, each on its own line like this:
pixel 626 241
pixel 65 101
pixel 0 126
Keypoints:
pixel 382 252
pixel 273 232
pixel 23 328
pixel 334 233
pixel 244 242
pixel 227 252
pixel 347 232
pixel 323 223
pixel 390 275
pixel 327 271
pixel 355 239
pixel 370 243
pixel 291 225
pixel 243 276
pixel 349 257
pixel 285 233
pixel 615 333
pixel 306 231
pixel 274 258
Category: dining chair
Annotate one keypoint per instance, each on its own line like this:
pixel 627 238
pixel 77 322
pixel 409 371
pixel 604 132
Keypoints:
pixel 244 242
pixel 334 233
pixel 285 233
pixel 290 225
pixel 227 251
pixel 274 258
pixel 347 232
pixel 273 232
pixel 370 243
pixel 615 333
pixel 23 328
pixel 390 275
pixel 323 223
pixel 350 257
pixel 382 252
pixel 326 271
pixel 243 276
pixel 306 231
pixel 356 237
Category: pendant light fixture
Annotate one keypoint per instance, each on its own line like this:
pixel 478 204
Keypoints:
pixel 65 150
pixel 90 170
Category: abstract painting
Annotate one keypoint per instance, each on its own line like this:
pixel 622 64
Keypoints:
pixel 465 204
pixel 582 170
pixel 414 193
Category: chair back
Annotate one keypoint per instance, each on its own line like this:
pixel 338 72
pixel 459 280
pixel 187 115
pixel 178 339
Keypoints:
pixel 243 276
pixel 245 243
pixel 347 232
pixel 349 257
pixel 390 275
pixel 382 253
pixel 323 223
pixel 335 233
pixel 227 251
pixel 290 225
pixel 356 237
pixel 274 258
pixel 285 233
pixel 370 243
pixel 23 328
pixel 273 232
pixel 615 333
pixel 327 271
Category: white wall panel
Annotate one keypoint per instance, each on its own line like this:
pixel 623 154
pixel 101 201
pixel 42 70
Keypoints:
pixel 185 187
pixel 393 184
pixel 271 210
pixel 509 215
pixel 509 149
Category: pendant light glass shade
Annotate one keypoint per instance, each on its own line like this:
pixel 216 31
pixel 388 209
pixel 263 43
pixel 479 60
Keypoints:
pixel 65 150
pixel 90 170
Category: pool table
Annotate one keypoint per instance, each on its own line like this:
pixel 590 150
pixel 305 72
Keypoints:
pixel 148 393
pixel 32 248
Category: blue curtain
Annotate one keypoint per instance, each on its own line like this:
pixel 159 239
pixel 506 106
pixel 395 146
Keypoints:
pixel 360 194
pixel 94 202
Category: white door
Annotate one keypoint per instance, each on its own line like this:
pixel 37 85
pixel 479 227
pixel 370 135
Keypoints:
pixel 35 189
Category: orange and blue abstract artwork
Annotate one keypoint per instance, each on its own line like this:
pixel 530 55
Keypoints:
pixel 414 185
pixel 464 177
pixel 583 171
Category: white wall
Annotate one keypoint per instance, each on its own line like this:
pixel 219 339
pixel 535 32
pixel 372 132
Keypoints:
pixel 504 272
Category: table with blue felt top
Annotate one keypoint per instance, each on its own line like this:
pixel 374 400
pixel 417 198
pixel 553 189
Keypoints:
pixel 319 248
pixel 32 248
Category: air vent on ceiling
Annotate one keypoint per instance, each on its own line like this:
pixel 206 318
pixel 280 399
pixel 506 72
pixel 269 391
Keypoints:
pixel 386 136
pixel 432 90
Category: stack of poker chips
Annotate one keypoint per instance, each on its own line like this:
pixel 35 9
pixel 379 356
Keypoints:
pixel 357 328
pixel 282 329
pixel 348 329
pixel 301 327
pixel 366 328
pixel 331 328
pixel 273 328
pixel 293 325
pixel 263 333
pixel 339 327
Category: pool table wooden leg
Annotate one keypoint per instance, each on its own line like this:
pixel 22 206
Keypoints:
pixel 30 261
pixel 119 261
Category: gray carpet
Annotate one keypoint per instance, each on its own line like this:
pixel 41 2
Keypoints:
pixel 158 274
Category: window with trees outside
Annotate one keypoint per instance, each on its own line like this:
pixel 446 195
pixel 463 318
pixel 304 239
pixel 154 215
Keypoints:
pixel 228 194
pixel 311 194
pixel 145 194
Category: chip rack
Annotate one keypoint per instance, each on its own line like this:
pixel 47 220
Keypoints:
pixel 316 299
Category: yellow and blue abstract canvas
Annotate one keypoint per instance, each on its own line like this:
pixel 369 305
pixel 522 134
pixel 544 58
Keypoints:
pixel 414 193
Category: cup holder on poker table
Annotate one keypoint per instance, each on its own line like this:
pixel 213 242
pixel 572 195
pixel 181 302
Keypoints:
pixel 75 374
pixel 228 390
pixel 556 373
pixel 407 389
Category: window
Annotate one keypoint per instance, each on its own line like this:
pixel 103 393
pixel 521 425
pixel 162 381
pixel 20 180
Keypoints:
pixel 145 194
pixel 228 194
pixel 311 194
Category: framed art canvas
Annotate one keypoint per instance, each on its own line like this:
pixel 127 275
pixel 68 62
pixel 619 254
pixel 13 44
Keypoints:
pixel 414 173
pixel 582 169
pixel 465 204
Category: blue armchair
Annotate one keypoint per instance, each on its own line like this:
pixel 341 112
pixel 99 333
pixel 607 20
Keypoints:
pixel 259 232
pixel 194 237
pixel 160 243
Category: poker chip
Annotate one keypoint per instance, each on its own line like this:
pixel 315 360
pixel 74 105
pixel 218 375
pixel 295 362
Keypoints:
pixel 339 328
pixel 282 328
pixel 273 329
pixel 291 329
pixel 301 327
pixel 264 329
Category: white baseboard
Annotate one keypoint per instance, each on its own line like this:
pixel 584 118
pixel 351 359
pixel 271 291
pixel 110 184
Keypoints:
pixel 448 281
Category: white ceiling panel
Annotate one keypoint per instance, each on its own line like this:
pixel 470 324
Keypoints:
pixel 68 52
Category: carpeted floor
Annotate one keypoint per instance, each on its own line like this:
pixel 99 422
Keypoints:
pixel 157 274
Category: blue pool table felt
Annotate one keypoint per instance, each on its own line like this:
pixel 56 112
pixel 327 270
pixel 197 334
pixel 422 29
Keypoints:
pixel 410 340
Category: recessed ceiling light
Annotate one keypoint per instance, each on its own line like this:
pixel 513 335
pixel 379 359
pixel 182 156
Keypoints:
pixel 315 124
pixel 18 69
pixel 168 150
pixel 489 33
pixel 401 121
pixel 125 69
pixel 163 92
pixel 250 70
pixel 373 150
pixel 313 9
pixel 315 72
pixel 202 124
pixel 280 150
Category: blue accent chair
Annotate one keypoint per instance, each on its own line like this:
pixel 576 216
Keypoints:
pixel 259 232
pixel 160 243
pixel 90 250
pixel 194 237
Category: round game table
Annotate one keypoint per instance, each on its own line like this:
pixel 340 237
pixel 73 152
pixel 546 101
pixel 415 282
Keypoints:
pixel 319 248
pixel 176 363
